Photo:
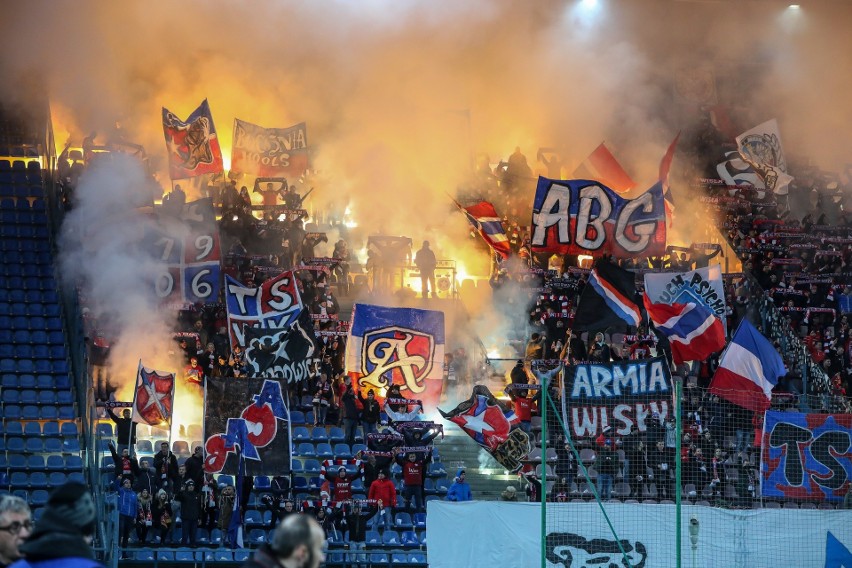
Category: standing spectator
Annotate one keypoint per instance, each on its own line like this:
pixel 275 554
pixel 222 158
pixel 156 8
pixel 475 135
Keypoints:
pixel 370 414
pixel 533 489
pixel 355 523
pixel 125 466
pixel 194 465
pixel 226 510
pixel 535 346
pixel 145 516
pixel 128 505
pixel 660 460
pixel 607 466
pixel 125 429
pixel 145 479
pixel 635 462
pixel 599 351
pixel 412 477
pixel 161 511
pixel 209 492
pixel 576 348
pixel 523 408
pixel 460 489
pixel 349 407
pixel 323 398
pixel 64 533
pixel 426 263
pixel 518 375
pixel 166 467
pixel 383 492
pixel 191 506
pixel 16 522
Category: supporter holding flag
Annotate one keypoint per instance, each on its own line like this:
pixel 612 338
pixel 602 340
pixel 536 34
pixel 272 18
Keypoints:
pixel 694 333
pixel 749 369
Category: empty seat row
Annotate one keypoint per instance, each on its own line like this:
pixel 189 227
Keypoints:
pixel 30 323
pixel 26 351
pixel 36 397
pixel 35 309
pixel 47 297
pixel 49 429
pixel 9 213
pixel 37 479
pixel 34 337
pixel 41 445
pixel 24 232
pixel 21 188
pixel 16 203
pixel 10 269
pixel 33 412
pixel 20 462
pixel 24 381
pixel 24 245
pixel 37 366
pixel 31 165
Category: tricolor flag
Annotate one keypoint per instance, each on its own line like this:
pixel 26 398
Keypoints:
pixel 749 369
pixel 153 398
pixel 608 299
pixel 665 166
pixel 488 224
pixel 602 166
pixel 193 145
pixel 693 331
pixel 483 418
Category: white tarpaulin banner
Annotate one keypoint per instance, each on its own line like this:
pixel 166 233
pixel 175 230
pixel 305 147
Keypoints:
pixel 761 148
pixel 489 534
pixel 702 286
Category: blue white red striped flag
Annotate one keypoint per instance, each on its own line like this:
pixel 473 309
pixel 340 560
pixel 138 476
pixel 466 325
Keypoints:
pixel 693 331
pixel 749 370
pixel 488 224
pixel 608 299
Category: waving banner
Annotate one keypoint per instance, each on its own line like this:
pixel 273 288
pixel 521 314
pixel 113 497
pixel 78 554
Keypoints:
pixel 807 456
pixel 274 305
pixel 703 286
pixel 269 152
pixel 247 417
pixel 282 352
pixel 154 397
pixel 586 217
pixel 192 144
pixel 397 346
pixel 491 425
pixel 622 395
pixel 761 148
pixel 187 243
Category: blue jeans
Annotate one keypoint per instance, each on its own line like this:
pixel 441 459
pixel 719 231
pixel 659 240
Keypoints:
pixel 384 518
pixel 355 557
pixel 369 428
pixel 604 485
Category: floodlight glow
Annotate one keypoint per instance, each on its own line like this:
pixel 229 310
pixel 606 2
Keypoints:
pixel 794 6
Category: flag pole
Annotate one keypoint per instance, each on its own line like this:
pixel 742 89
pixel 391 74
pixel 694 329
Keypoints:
pixel 133 410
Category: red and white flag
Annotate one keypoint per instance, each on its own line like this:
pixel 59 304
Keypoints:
pixel 153 399
pixel 602 166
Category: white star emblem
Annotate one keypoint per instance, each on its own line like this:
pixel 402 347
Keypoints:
pixel 282 349
pixel 476 423
pixel 154 399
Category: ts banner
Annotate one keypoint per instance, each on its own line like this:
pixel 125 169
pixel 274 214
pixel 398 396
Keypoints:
pixel 274 305
pixel 249 414
pixel 586 217
pixel 806 456
pixel 269 152
pixel 397 346
pixel 622 395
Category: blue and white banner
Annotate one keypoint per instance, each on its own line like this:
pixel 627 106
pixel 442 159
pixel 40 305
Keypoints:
pixel 704 286
pixel 397 346
pixel 484 534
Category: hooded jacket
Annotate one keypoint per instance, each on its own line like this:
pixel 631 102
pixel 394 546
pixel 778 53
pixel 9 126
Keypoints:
pixel 459 490
pixel 56 544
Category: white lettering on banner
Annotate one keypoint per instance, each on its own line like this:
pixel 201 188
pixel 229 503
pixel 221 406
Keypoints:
pixel 241 293
pixel 597 381
pixel 642 230
pixel 285 300
pixel 555 210
pixel 575 532
pixel 587 195
pixel 589 421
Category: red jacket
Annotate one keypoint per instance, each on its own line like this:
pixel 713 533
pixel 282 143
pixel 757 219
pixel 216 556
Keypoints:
pixel 384 490
pixel 523 408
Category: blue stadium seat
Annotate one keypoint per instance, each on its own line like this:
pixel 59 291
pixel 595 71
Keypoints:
pixel 297 417
pixel 436 470
pixel 417 559
pixel 56 478
pixel 336 435
pixel 215 537
pixel 19 480
pixel 402 521
pixel 301 434
pixel 166 555
pixel 144 447
pixel 420 521
pixel 296 466
pixel 144 555
pixel 358 448
pixel 32 429
pixel 16 462
pixel 306 449
pixel 253 518
pixel 262 483
pixel 14 428
pixel 318 434
pixel 391 538
pixel 223 556
pixel 373 538
pixel 335 559
pixel 48 413
pixel 324 451
pixel 34 445
pixel 15 445
pixel 256 537
pixel 55 463
pixel 378 559
pixel 74 463
pixel 241 555
pixel 312 467
pixel 342 451
pixel 224 480
pixel 9 381
pixel 12 412
pixel 398 559
pixel 70 446
pixel 429 486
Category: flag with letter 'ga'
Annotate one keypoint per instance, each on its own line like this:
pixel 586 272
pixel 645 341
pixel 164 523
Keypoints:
pixel 192 144
pixel 488 224
pixel 608 299
pixel 153 398
pixel 749 369
pixel 602 166
pixel 693 331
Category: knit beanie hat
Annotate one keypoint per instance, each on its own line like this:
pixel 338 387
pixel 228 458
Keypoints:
pixel 70 508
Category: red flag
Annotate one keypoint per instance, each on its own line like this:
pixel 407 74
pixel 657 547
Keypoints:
pixel 488 224
pixel 153 398
pixel 193 145
pixel 602 166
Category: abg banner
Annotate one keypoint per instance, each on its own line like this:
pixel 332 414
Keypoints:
pixel 484 534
